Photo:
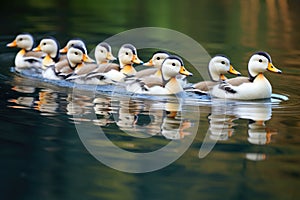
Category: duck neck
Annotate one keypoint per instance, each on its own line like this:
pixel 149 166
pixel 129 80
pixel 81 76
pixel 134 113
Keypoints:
pixel 158 73
pixel 55 56
pixel 215 76
pixel 172 85
pixel 102 62
pixel 259 76
pixel 72 66
pixel 22 52
pixel 222 77
pixel 48 61
pixel 165 80
pixel 78 67
pixel 128 70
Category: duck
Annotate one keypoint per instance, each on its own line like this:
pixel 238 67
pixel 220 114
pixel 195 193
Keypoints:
pixel 26 58
pixel 76 60
pixel 255 86
pixel 112 74
pixel 50 46
pixel 171 67
pixel 218 66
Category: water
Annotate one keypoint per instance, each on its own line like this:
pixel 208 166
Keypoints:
pixel 256 155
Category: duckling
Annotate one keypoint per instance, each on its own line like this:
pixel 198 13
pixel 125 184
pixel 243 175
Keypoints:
pixel 171 67
pixel 256 86
pixel 217 67
pixel 50 46
pixel 76 59
pixel 26 58
pixel 110 73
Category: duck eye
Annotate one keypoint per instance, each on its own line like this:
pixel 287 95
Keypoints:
pixel 76 53
pixel 260 60
pixel 127 53
pixel 44 43
pixel 173 64
pixel 101 51
pixel 158 58
pixel 21 39
pixel 223 62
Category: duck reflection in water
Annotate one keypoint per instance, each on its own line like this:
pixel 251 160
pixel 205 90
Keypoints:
pixel 46 101
pixel 78 105
pixel 222 125
pixel 258 132
pixel 173 125
pixel 104 111
pixel 145 118
pixel 23 102
pixel 257 114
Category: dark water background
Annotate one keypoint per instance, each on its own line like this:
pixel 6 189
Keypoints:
pixel 42 156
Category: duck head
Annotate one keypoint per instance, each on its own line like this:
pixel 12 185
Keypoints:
pixel 50 46
pixel 71 43
pixel 172 66
pixel 259 63
pixel 157 59
pixel 23 41
pixel 76 55
pixel 220 65
pixel 128 55
pixel 103 53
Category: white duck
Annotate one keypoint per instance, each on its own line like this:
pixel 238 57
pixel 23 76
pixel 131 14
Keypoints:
pixel 256 86
pixel 218 66
pixel 171 67
pixel 26 58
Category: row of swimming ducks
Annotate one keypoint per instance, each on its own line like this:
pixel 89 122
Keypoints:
pixel 167 75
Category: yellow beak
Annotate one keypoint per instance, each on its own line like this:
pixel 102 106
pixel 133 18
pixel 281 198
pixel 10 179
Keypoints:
pixel 64 50
pixel 86 58
pixel 136 60
pixel 110 56
pixel 233 71
pixel 38 48
pixel 149 63
pixel 12 44
pixel 184 71
pixel 272 68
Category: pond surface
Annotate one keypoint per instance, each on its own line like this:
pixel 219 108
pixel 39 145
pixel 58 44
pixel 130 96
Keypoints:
pixel 255 146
